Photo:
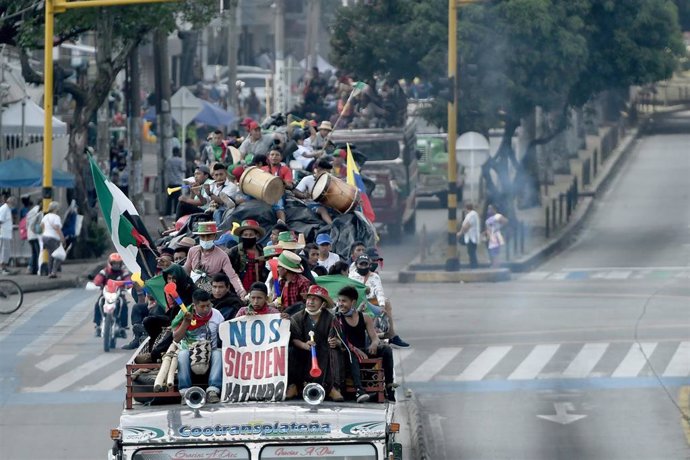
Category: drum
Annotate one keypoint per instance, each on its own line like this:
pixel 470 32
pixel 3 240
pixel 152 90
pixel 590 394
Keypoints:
pixel 335 193
pixel 261 185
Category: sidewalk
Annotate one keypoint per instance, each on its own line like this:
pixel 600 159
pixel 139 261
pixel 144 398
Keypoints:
pixel 74 274
pixel 593 169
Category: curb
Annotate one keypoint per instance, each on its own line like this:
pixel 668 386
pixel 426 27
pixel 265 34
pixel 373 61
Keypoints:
pixel 435 273
pixel 418 447
pixel 466 276
pixel 50 284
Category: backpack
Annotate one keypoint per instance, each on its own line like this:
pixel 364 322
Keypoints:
pixel 22 229
pixel 36 224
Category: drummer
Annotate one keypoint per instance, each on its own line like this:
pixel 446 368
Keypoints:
pixel 222 191
pixel 306 186
pixel 279 169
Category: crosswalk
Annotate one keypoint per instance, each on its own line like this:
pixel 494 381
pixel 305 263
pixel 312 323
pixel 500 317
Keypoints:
pixel 76 373
pixel 607 274
pixel 544 361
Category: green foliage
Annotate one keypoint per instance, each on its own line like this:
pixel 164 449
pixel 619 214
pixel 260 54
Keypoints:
pixel 683 14
pixel 93 242
pixel 513 54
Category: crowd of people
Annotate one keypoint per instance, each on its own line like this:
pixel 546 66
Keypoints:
pixel 261 271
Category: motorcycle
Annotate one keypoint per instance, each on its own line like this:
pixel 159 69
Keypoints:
pixel 111 302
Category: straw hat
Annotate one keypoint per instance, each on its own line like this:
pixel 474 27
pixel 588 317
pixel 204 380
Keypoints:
pixel 186 242
pixel 290 261
pixel 287 240
pixel 325 125
pixel 272 251
pixel 249 224
pixel 206 228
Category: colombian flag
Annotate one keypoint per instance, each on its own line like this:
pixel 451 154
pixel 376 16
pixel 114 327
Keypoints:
pixel 353 178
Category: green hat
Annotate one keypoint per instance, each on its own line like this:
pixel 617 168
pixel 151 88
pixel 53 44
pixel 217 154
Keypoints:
pixel 290 261
pixel 272 251
pixel 287 240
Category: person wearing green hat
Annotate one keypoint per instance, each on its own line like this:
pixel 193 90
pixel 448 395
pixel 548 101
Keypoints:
pixel 293 284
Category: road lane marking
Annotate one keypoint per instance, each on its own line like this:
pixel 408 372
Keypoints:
pixel 112 382
pixel 679 366
pixel 618 275
pixel 533 364
pixel 437 361
pixel 586 359
pixel 73 376
pixel 51 336
pixel 534 276
pixel 54 361
pixel 26 313
pixel 482 364
pixel 635 360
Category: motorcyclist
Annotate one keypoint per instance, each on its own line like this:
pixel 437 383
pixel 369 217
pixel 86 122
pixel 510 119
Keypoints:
pixel 113 270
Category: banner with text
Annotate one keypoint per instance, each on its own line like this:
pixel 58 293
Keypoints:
pixel 255 358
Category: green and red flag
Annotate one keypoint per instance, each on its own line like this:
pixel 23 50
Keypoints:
pixel 127 230
pixel 334 283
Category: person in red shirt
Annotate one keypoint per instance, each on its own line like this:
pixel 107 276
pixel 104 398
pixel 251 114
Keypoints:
pixel 293 285
pixel 279 169
pixel 113 270
pixel 258 302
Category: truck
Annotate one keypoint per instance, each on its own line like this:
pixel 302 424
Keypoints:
pixel 392 164
pixel 163 426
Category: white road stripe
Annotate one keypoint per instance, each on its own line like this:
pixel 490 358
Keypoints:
pixel 532 365
pixel 634 361
pixel 26 313
pixel 679 366
pixel 112 382
pixel 618 275
pixel 76 374
pixel 557 276
pixel 71 320
pixel 54 361
pixel 586 359
pixel 437 361
pixel 483 363
pixel 535 276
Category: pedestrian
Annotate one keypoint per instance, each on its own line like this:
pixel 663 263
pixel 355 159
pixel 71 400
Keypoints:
pixel 174 175
pixel 51 232
pixel 469 233
pixel 6 233
pixel 33 233
pixel 495 240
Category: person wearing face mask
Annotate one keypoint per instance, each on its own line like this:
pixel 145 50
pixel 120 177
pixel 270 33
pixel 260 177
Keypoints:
pixel 246 257
pixel 376 296
pixel 315 318
pixel 207 259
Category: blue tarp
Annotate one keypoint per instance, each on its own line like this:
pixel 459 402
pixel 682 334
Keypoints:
pixel 21 172
pixel 211 115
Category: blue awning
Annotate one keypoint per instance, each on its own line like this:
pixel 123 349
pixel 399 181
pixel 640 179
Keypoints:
pixel 21 172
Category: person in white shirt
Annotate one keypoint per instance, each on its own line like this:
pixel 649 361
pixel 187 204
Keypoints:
pixel 470 232
pixel 6 233
pixel 221 192
pixel 306 186
pixel 326 258
pixel 304 155
pixel 51 226
pixel 33 223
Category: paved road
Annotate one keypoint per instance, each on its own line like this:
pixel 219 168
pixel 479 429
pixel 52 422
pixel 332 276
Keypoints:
pixel 586 357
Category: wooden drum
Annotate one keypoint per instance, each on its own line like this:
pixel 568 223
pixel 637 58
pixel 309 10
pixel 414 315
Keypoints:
pixel 261 185
pixel 335 193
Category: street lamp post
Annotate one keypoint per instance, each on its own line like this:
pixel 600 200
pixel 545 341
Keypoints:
pixel 54 7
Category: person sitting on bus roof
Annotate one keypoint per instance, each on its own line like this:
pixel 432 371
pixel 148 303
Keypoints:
pixel 306 186
pixel 200 322
pixel 318 319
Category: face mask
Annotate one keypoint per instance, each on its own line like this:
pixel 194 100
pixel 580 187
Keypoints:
pixel 362 271
pixel 249 242
pixel 349 313
pixel 312 313
pixel 206 244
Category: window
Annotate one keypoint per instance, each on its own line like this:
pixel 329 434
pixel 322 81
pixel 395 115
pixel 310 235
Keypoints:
pixel 379 150
pixel 207 453
pixel 330 451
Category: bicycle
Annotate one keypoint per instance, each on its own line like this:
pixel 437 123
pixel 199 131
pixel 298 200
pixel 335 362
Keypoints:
pixel 11 296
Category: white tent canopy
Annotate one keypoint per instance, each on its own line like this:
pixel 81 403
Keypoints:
pixel 321 63
pixel 33 120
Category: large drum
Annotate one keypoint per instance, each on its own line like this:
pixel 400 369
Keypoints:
pixel 261 185
pixel 335 193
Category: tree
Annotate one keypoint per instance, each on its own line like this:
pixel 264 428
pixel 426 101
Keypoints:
pixel 127 27
pixel 683 14
pixel 516 55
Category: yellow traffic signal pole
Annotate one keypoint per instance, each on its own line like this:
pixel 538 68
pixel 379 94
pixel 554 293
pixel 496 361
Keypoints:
pixel 53 7
pixel 452 261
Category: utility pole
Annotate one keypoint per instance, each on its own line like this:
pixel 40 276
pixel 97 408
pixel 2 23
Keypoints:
pixel 164 118
pixel 230 9
pixel 452 261
pixel 279 68
pixel 134 117
pixel 104 38
pixel 313 18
